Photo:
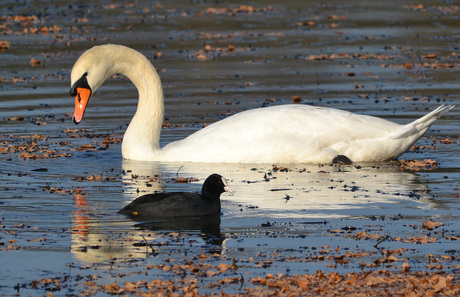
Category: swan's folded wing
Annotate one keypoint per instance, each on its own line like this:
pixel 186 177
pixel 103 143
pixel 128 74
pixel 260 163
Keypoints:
pixel 284 133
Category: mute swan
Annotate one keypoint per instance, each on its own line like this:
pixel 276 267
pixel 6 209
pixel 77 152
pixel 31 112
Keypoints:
pixel 286 133
pixel 179 204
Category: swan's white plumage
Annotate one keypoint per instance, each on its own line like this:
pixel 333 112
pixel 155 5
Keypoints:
pixel 286 133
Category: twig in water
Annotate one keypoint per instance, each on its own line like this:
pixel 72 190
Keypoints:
pixel 147 245
pixel 177 173
pixel 382 240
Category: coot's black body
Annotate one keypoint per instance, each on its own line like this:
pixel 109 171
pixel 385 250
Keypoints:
pixel 180 204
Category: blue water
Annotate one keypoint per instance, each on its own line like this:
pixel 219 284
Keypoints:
pixel 58 215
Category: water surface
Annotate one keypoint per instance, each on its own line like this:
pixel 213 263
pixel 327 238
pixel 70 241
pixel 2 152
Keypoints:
pixel 58 210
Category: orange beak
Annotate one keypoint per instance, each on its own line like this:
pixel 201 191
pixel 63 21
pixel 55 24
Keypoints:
pixel 81 100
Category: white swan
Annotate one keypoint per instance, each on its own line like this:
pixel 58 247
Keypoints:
pixel 287 133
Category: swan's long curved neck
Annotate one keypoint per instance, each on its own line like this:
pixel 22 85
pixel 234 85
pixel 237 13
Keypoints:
pixel 142 138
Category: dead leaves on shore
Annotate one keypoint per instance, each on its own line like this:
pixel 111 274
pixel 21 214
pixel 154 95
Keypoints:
pixel 416 165
pixel 446 9
pixel 209 52
pixel 4 45
pixel 221 279
pixel 242 9
pixel 422 239
pixel 430 61
pixel 383 272
pixel 376 283
pixel 430 225
pixel 185 180
pixel 32 147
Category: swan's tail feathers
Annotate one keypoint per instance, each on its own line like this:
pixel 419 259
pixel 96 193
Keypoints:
pixel 420 126
pixel 434 115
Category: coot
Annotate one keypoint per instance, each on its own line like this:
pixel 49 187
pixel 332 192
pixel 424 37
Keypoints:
pixel 179 204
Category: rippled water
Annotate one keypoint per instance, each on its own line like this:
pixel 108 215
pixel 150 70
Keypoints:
pixel 370 58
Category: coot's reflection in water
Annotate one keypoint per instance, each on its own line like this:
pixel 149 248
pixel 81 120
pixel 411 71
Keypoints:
pixel 207 227
pixel 99 241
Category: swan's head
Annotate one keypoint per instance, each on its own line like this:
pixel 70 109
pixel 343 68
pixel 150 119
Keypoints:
pixel 82 91
pixel 89 72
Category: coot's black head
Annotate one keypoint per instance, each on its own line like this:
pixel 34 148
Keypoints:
pixel 215 185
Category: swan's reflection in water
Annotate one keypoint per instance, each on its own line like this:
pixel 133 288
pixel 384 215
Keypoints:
pixel 262 193
pixel 294 191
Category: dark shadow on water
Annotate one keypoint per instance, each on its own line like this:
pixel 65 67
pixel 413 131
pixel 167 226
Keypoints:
pixel 207 227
